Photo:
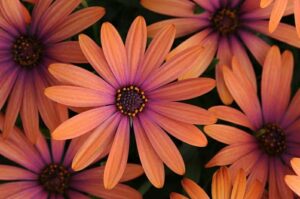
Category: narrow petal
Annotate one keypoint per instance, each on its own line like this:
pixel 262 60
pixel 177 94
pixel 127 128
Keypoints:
pixel 135 45
pixel 7 84
pixel 260 171
pixel 131 171
pixel 70 74
pixel 293 182
pixel 164 146
pixel 15 173
pixel 96 143
pixel 273 188
pixel 67 52
pixel 265 3
pixel 152 164
pixel 270 83
pixel 176 8
pixel 254 190
pixel 38 12
pixel 184 112
pixel 8 189
pixel 115 52
pixel 228 134
pixel 75 23
pixel 187 133
pixel 118 155
pixel 277 13
pixel 297 15
pixel 183 90
pixel 82 123
pixel 57 149
pixel 193 190
pixel 221 184
pixel 239 185
pixel 293 112
pixel 295 162
pixel 174 195
pixel 230 114
pixel 95 56
pixel 32 192
pixel 281 171
pixel 78 96
pixel 77 195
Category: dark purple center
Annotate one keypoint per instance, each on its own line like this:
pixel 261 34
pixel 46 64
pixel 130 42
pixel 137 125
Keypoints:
pixel 272 139
pixel 55 178
pixel 130 100
pixel 226 21
pixel 27 51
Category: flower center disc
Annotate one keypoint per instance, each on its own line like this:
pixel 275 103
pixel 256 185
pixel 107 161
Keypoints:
pixel 27 51
pixel 272 139
pixel 55 178
pixel 226 21
pixel 130 100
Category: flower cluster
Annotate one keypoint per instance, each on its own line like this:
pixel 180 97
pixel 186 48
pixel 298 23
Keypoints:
pixel 154 96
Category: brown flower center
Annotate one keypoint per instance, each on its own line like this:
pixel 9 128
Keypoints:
pixel 55 178
pixel 27 51
pixel 130 100
pixel 226 21
pixel 271 139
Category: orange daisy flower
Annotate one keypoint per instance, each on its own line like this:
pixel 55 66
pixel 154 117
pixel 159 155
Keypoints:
pixel 278 9
pixel 294 181
pixel 265 149
pixel 225 28
pixel 137 92
pixel 222 187
pixel 40 172
pixel 28 44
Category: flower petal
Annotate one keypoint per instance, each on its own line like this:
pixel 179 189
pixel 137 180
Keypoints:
pixel 277 13
pixel 293 182
pixel 293 112
pixel 15 173
pixel 254 190
pixel 239 185
pixel 295 162
pixel 193 190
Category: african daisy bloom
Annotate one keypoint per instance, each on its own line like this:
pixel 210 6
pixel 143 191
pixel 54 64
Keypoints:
pixel 223 187
pixel 225 28
pixel 272 139
pixel 136 92
pixel 279 7
pixel 41 172
pixel 27 48
pixel 294 181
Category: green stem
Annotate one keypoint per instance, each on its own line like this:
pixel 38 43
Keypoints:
pixel 84 3
pixel 144 188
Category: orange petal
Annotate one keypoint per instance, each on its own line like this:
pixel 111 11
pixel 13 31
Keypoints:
pixel 293 182
pixel 15 173
pixel 239 185
pixel 177 196
pixel 295 162
pixel 78 96
pixel 281 171
pixel 277 13
pixel 221 184
pixel 193 190
pixel 118 155
pixel 152 164
pixel 131 171
pixel 82 123
pixel 265 3
pixel 292 112
pixel 255 190
pixel 7 84
pixel 297 16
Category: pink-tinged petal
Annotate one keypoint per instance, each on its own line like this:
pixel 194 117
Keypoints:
pixel 118 155
pixel 270 83
pixel 173 68
pixel 42 146
pixel 286 74
pixel 95 56
pixel 207 5
pixel 67 52
pixel 260 171
pixel 8 189
pixel 6 85
pixel 277 13
pixel 230 114
pixel 243 65
pixel 228 134
pixel 297 15
pixel 163 145
pixel 77 195
pixel 244 97
pixel 75 23
pixel 96 143
pixel 187 133
pixel 239 185
pixel 293 182
pixel 57 148
pixel 82 123
pixel 176 8
pixel 115 52
pixel 183 112
pixel 225 156
pixel 295 162
pixel 174 195
pixel 70 74
pixel 293 111
pixel 152 164
pixel 14 105
pixel 157 51
pixel 254 190
pixel 281 171
pixel 119 192
pixel 38 12
pixel 183 90
pixel 15 173
pixel 135 44
pixel 32 192
pixel 184 26
pixel 11 10
pixel 256 45
pixel 221 184
pixel 274 190
pixel 55 14
pixel 193 190
pixel 78 96
pixel 285 33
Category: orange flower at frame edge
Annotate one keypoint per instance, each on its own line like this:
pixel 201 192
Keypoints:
pixel 293 181
pixel 272 137
pixel 137 92
pixel 29 44
pixel 223 187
